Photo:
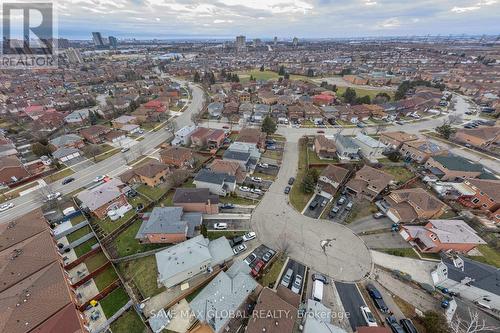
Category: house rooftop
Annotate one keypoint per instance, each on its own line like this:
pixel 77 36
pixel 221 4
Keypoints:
pixel 169 220
pixel 458 163
pixel 96 197
pixel 236 155
pixel 208 176
pixel 194 195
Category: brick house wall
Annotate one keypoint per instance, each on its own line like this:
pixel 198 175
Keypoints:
pixel 102 211
pixel 166 238
pixel 414 154
pixel 157 179
pixel 199 207
pixel 7 173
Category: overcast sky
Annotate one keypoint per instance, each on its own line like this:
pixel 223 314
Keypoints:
pixel 282 18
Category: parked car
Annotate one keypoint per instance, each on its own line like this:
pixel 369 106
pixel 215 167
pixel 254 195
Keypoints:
pixel 268 255
pixel 125 149
pixel 220 226
pixel 297 284
pixel 236 240
pixel 360 125
pixel 287 278
pixel 291 180
pixel 393 324
pixel 317 292
pixel 287 189
pixel 6 206
pixel 54 195
pixel 377 298
pixel 249 236
pixel 68 180
pixel 263 165
pixel 341 200
pixel 256 269
pixel 227 206
pixel 334 211
pixel 251 258
pixel 399 122
pixel 256 191
pixel 368 316
pixel 320 132
pixel 349 205
pixel 313 205
pixel 244 189
pixel 271 147
pixel 270 142
pixel 320 277
pixel 99 178
pixel 378 215
pixel 256 179
pixel 323 202
pixel 239 248
pixel 408 326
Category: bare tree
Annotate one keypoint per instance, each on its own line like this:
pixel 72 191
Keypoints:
pixel 454 118
pixel 283 244
pixel 471 325
pixel 92 150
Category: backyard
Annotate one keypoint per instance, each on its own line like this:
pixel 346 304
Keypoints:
pixel 78 234
pixel 143 273
pixel 314 158
pixel 114 301
pixel 85 247
pixel 126 244
pixel 400 173
pixel 95 261
pixel 129 321
pixel 271 274
pixel 108 226
pixel 105 278
pixel 153 193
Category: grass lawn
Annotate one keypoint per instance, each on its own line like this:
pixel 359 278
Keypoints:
pixel 360 92
pixel 238 200
pixel 95 261
pixel 129 322
pixel 277 137
pixel 274 154
pixel 168 199
pixel 258 75
pixel 78 234
pixel 271 274
pixel 298 198
pixel 213 234
pixel 264 176
pixel 58 175
pixel 126 244
pixel 114 301
pixel 105 278
pixel 490 256
pixel 105 155
pixel 109 226
pixel 407 252
pixel 401 174
pixel 314 158
pixel 361 209
pixel 143 273
pixel 77 219
pixel 85 247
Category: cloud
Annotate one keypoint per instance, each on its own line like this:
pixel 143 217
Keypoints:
pixel 389 23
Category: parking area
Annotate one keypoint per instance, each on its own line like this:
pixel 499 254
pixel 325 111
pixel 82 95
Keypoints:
pixel 245 192
pixel 297 268
pixel 352 301
pixel 270 169
pixel 262 184
pixel 319 206
pixel 259 252
pixel 232 224
pixel 342 210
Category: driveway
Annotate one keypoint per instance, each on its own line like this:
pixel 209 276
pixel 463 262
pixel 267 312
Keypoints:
pixel 297 268
pixel 368 223
pixel 316 212
pixel 385 240
pixel 352 301
pixel 343 256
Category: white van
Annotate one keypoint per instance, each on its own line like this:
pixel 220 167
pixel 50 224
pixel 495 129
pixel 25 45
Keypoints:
pixel 68 211
pixel 317 292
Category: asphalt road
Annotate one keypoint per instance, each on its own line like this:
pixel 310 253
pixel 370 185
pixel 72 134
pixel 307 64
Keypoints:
pixel 352 301
pixel 112 166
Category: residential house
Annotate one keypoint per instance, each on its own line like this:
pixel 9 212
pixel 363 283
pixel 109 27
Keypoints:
pixel 267 97
pixel 183 136
pixel 196 200
pixel 231 109
pixel 7 148
pixel 106 197
pixel 318 319
pixel 245 147
pixel 252 135
pixel 483 194
pixel 65 154
pixel 452 167
pixel 325 148
pixel 216 138
pixel 95 134
pixel 370 148
pixel 217 182
pixel 231 168
pixel 115 136
pixel 168 225
pixel 421 150
pixel 270 302
pixel 190 258
pixel 77 117
pixel 482 137
pixel 347 149
pixel 152 111
pixel 151 173
pixel 323 99
pixel 330 179
pixel 396 139
pixel 442 235
pixel 11 170
pixel 242 158
pixel 369 182
pixel 215 109
pixel 178 157
pixel 408 205
pixel 474 281
pixel 199 137
pixel 123 120
pixel 233 288
pixel 68 140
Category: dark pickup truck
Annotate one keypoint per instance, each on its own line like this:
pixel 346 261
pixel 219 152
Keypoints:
pixel 377 298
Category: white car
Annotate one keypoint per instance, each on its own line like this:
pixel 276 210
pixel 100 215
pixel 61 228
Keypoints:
pixel 256 191
pixel 244 189
pixel 52 196
pixel 263 165
pixel 220 226
pixel 256 179
pixel 297 284
pixel 368 316
pixel 249 236
pixel 239 248
pixel 6 206
pixel 99 178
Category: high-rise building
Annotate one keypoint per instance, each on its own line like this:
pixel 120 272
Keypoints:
pixel 275 41
pixel 74 56
pixel 113 42
pixel 97 38
pixel 295 41
pixel 257 42
pixel 241 43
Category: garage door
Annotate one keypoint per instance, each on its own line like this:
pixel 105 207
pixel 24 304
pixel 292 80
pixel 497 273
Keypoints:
pixel 392 216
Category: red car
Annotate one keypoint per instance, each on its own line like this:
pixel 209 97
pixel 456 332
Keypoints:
pixel 321 132
pixel 258 266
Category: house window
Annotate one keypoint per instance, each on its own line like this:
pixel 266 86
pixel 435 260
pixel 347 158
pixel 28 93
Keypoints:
pixel 482 193
pixel 476 200
pixel 485 206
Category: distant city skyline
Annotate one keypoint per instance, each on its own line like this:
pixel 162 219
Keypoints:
pixel 203 19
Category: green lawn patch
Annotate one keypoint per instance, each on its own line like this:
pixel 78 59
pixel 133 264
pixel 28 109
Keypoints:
pixel 271 274
pixel 273 154
pixel 360 92
pixel 105 155
pixel 129 322
pixel 126 244
pixel 400 173
pixel 314 158
pixel 490 256
pixel 361 209
pixel 142 272
pixel 298 198
pixel 77 219
pixel 214 234
pixel 58 175
pixel 168 199
pixel 109 226
pixel 114 301
pixel 85 247
pixel 78 234
pixel 95 261
pixel 237 200
pixel 407 252
pixel 105 278
pixel 264 176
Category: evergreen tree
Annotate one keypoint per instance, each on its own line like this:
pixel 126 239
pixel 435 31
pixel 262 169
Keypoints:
pixel 268 125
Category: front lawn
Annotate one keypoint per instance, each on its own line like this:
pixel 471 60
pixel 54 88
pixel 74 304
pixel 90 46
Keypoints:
pixel 360 209
pixel 85 247
pixel 401 174
pixel 213 234
pixel 272 154
pixel 58 175
pixel 105 278
pixel 406 252
pixel 143 273
pixel 114 301
pixel 129 322
pixel 490 256
pixel 126 244
pixel 271 274
pixel 297 197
